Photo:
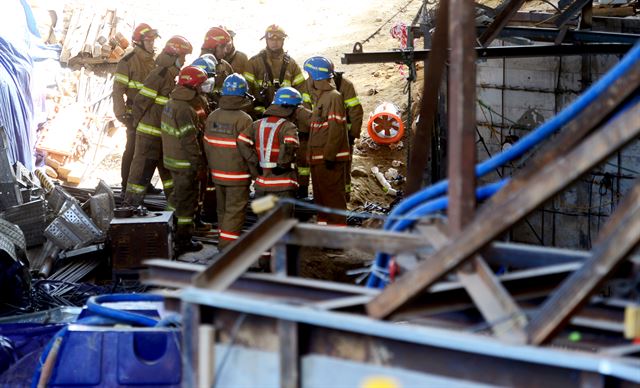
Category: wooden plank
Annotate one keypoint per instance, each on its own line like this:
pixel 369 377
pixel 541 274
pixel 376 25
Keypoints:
pixel 509 206
pixel 489 295
pixel 242 253
pixel 619 237
pixel 289 354
pixel 368 240
pixel 499 22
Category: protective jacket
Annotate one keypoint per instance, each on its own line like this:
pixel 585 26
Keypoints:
pixel 271 142
pixel 180 146
pixel 352 105
pixel 223 69
pixel 154 95
pixel 238 61
pixel 267 72
pixel 227 166
pixel 128 79
pixel 328 139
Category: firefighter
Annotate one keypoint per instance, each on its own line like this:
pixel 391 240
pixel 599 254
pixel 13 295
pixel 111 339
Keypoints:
pixel 237 59
pixel 328 142
pixel 216 41
pixel 147 112
pixel 272 69
pixel 182 151
pixel 270 145
pixel 229 170
pixel 354 116
pixel 206 197
pixel 130 74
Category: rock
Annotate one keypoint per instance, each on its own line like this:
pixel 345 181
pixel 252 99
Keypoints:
pixel 397 163
pixel 358 172
pixel 372 92
pixel 396 146
pixel 376 73
pixel 391 173
pixel 378 19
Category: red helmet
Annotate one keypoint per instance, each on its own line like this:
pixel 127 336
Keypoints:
pixel 192 76
pixel 215 37
pixel 177 45
pixel 274 30
pixel 144 32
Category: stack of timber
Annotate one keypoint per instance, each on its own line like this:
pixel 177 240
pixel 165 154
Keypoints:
pixel 94 35
pixel 80 118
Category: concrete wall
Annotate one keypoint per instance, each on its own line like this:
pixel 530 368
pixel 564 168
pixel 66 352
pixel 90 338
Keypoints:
pixel 514 97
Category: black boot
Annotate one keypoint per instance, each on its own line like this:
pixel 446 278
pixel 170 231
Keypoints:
pixel 185 246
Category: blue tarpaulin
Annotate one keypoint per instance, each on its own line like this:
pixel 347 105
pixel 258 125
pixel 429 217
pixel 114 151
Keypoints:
pixel 17 37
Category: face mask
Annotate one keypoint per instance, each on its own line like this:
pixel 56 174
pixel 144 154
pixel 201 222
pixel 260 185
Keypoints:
pixel 207 86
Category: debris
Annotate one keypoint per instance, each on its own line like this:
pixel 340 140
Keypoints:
pixel 396 146
pixel 397 163
pixel 391 174
pixel 358 172
pixel 386 186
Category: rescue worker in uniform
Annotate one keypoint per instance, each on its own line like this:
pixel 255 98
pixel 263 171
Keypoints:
pixel 207 196
pixel 270 144
pixel 272 69
pixel 182 151
pixel 354 116
pixel 216 41
pixel 147 112
pixel 238 60
pixel 328 142
pixel 130 74
pixel 229 170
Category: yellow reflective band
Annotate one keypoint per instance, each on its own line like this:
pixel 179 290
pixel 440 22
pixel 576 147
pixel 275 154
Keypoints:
pixel 149 129
pixel 177 132
pixel 298 80
pixel 306 97
pixel 259 109
pixel 168 184
pixel 249 77
pixel 185 220
pixel 135 84
pixel 175 163
pixel 350 103
pixel 123 79
pixel 304 171
pixel 286 83
pixel 347 188
pixel 160 100
pixel 348 127
pixel 145 91
pixel 170 207
pixel 138 189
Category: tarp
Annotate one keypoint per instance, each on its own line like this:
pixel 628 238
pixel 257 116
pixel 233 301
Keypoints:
pixel 17 39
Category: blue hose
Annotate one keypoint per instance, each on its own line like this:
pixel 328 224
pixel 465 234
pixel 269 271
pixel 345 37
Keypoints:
pixel 525 144
pixel 518 149
pixel 432 206
pixel 104 316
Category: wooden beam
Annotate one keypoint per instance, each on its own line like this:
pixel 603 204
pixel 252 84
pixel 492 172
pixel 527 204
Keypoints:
pixel 434 70
pixel 509 206
pixel 619 237
pixel 246 250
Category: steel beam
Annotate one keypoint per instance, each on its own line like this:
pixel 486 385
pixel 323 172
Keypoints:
pixel 242 253
pixel 510 205
pixel 499 22
pixel 421 140
pixel 573 36
pixel 527 51
pixel 619 237
pixel 571 11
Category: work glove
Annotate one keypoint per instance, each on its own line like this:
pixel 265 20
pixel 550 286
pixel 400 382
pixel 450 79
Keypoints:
pixel 126 119
pixel 255 170
pixel 352 140
pixel 330 164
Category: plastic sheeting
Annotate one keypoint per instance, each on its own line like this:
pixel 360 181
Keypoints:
pixel 16 102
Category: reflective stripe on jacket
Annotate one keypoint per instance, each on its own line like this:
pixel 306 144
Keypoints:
pixel 128 79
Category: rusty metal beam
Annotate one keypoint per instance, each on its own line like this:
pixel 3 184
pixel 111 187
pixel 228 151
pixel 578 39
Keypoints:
pixel 619 237
pixel 571 11
pixel 509 206
pixel 242 253
pixel 499 22
pixel 434 70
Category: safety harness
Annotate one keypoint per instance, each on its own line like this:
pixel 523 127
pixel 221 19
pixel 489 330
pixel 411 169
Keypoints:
pixel 266 147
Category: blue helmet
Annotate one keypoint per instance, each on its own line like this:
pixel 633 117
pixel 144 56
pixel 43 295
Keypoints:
pixel 208 63
pixel 287 96
pixel 319 68
pixel 234 85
